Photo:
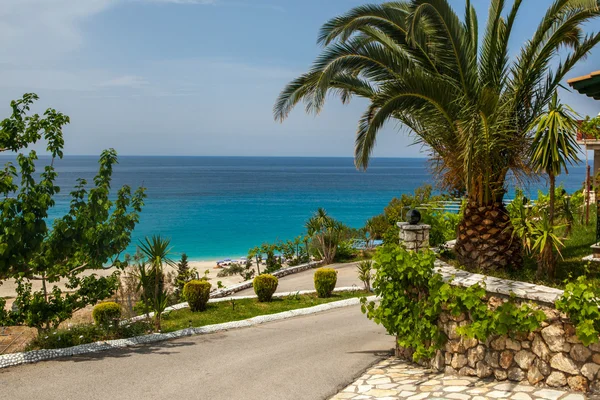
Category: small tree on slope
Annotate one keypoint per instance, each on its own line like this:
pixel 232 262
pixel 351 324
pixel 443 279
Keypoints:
pixel 90 236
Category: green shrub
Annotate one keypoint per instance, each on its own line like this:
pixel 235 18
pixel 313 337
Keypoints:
pixel 325 280
pixel 345 251
pixel 196 293
pixel 412 295
pixel 86 333
pixel 264 286
pixel 581 303
pixel 105 313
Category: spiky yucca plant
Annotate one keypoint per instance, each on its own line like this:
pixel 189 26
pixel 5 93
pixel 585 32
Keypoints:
pixel 554 146
pixel 157 250
pixel 418 63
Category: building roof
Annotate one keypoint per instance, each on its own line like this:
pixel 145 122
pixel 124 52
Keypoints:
pixel 587 84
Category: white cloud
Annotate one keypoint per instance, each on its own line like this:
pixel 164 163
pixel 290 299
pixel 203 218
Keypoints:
pixel 130 81
pixel 41 30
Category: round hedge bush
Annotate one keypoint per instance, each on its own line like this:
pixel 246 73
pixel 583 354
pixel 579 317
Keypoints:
pixel 196 293
pixel 105 313
pixel 264 286
pixel 325 280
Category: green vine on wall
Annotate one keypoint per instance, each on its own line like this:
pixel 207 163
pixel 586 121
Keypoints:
pixel 581 302
pixel 509 318
pixel 409 304
pixel 412 297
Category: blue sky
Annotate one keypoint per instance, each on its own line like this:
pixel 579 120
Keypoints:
pixel 193 77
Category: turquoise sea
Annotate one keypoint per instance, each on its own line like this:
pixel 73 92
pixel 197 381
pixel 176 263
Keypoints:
pixel 215 207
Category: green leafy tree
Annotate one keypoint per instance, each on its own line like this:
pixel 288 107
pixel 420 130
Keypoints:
pixel 456 89
pixel 288 249
pixel 272 261
pixel 554 146
pixel 92 235
pixel 157 251
pixel 184 275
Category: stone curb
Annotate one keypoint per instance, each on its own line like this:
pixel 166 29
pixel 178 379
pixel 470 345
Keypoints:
pixel 279 274
pixel 14 359
pixel 522 290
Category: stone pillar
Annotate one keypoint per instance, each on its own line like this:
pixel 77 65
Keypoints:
pixel 414 236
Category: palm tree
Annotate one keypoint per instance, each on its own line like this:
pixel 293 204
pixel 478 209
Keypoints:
pixel 417 63
pixel 553 146
pixel 157 250
pixel 326 232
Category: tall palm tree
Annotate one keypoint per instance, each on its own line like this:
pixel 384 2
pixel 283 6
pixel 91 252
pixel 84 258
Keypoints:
pixel 417 63
pixel 553 146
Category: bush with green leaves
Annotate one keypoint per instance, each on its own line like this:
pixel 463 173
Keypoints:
pixel 581 302
pixel 345 251
pixel 325 280
pixel 197 293
pixel 106 313
pixel 509 318
pixel 265 286
pixel 409 306
pixel 444 225
pixel 412 297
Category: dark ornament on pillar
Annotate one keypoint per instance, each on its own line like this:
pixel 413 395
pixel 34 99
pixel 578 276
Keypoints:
pixel 413 217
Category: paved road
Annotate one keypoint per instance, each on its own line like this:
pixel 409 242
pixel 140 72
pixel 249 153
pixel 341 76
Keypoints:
pixel 304 358
pixel 347 276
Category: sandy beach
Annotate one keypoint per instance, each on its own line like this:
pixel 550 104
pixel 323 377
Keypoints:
pixel 16 338
pixel 7 288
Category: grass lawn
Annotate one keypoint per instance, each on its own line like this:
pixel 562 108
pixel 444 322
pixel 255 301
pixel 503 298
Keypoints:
pixel 216 313
pixel 569 267
pixel 237 310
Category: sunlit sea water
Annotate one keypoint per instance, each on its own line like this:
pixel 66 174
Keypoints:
pixel 214 207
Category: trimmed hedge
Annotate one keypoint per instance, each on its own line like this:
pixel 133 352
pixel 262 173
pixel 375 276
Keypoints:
pixel 197 293
pixel 105 313
pixel 264 286
pixel 325 280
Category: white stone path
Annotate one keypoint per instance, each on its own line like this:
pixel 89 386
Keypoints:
pixel 396 379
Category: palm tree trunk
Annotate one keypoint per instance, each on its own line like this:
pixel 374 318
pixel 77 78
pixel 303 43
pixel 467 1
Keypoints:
pixel 552 199
pixel 485 238
pixel 547 262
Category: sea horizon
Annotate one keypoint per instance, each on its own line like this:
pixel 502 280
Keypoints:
pixel 216 207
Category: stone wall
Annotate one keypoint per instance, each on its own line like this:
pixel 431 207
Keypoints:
pixel 551 356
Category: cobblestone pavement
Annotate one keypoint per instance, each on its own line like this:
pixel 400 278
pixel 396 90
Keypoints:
pixel 395 379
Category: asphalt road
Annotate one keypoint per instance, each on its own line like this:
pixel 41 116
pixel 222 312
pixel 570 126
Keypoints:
pixel 305 358
pixel 347 277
